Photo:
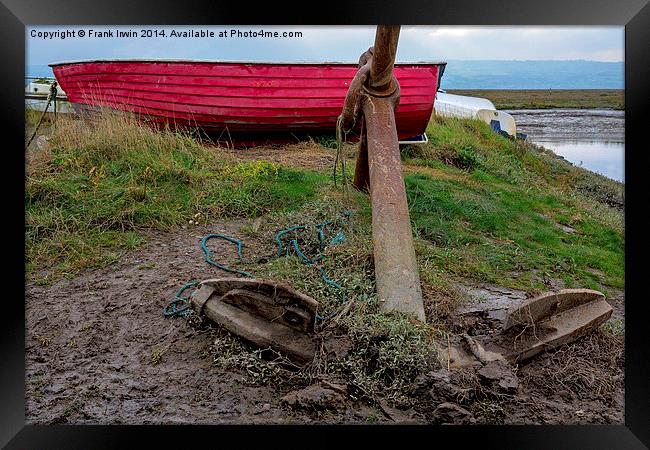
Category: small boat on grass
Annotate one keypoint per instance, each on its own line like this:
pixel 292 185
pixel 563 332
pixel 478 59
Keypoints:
pixel 37 90
pixel 250 101
pixel 463 106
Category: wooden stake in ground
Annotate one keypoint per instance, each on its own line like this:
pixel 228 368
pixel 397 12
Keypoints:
pixel 51 96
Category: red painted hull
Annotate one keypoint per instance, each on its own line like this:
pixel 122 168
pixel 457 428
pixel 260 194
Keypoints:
pixel 241 98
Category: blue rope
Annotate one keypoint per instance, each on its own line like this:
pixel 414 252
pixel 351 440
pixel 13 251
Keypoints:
pixel 173 309
pixel 321 233
pixel 281 233
pixel 340 237
pixel 310 262
pixel 322 243
pixel 180 306
pixel 209 260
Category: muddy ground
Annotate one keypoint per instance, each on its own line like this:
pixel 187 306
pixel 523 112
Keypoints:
pixel 99 350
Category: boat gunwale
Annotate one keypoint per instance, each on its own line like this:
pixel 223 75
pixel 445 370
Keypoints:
pixel 219 61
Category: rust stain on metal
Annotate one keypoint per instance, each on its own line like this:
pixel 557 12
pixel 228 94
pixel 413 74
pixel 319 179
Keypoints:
pixel 361 170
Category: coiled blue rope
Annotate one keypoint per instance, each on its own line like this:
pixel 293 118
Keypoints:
pixel 209 260
pixel 278 236
pixel 310 262
pixel 180 306
pixel 322 243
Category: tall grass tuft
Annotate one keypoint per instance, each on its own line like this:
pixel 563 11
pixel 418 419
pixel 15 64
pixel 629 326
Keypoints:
pixel 97 184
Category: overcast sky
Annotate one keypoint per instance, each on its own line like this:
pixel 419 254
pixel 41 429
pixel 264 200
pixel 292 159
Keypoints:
pixel 339 43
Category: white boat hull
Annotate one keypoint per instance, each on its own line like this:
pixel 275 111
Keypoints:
pixel 465 107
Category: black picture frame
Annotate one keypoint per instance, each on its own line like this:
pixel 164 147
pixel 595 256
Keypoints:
pixel 15 15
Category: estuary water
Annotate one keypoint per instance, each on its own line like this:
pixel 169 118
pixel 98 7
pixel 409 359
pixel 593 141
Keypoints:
pixel 590 138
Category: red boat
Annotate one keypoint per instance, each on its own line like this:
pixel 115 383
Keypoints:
pixel 229 99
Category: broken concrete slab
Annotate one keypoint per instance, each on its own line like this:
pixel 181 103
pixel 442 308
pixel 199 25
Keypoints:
pixel 547 304
pixel 548 321
pixel 535 325
pixel 486 297
pixel 489 301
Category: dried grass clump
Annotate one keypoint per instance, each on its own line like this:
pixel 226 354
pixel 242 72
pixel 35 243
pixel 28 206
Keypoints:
pixel 590 367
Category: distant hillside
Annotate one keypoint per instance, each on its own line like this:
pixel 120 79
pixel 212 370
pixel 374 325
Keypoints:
pixel 533 75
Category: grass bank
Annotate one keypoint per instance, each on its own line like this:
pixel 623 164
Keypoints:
pixel 549 98
pixel 93 187
pixel 483 208
pixel 511 213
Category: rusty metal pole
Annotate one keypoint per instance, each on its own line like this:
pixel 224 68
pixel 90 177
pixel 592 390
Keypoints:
pixel 361 174
pixel 383 60
pixel 396 272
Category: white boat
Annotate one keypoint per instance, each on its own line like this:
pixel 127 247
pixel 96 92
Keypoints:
pixel 462 106
pixel 37 91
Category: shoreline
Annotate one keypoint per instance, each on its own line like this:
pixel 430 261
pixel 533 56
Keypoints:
pixel 613 99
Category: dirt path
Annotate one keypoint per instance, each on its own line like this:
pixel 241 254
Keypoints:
pixel 303 155
pixel 99 350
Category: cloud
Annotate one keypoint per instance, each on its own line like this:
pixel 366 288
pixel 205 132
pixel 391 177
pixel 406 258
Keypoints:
pixel 343 43
pixel 514 43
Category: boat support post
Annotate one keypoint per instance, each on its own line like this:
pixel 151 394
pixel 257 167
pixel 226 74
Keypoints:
pixel 371 100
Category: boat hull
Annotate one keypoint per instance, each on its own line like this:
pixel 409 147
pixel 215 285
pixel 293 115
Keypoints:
pixel 230 98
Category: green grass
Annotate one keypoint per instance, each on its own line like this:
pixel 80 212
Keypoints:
pixel 483 207
pixel 498 218
pixel 95 189
pixel 495 232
